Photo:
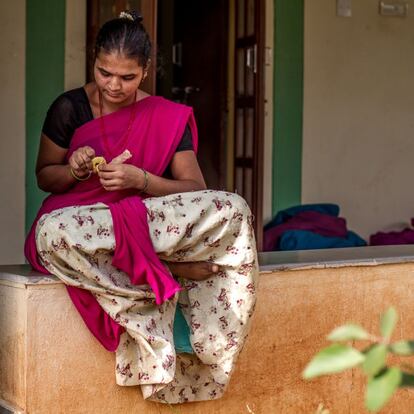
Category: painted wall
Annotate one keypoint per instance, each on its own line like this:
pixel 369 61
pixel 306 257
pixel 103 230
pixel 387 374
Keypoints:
pixel 75 44
pixel 12 121
pixel 287 103
pixel 45 60
pixel 268 116
pixel 358 125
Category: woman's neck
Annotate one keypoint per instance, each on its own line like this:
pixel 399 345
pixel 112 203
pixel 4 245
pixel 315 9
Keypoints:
pixel 109 107
pixel 92 92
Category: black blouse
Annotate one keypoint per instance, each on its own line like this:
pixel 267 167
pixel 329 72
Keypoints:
pixel 72 109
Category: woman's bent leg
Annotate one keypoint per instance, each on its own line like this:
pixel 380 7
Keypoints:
pixel 76 244
pixel 208 226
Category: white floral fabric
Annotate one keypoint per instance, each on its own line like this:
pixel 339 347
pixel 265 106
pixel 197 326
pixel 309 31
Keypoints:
pixel 76 244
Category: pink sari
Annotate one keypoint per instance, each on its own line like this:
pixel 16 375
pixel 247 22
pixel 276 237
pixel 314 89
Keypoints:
pixel 155 134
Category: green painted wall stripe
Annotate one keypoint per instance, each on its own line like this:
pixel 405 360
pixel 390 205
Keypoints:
pixel 45 59
pixel 288 103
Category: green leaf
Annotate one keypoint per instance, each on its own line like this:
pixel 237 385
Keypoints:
pixel 348 333
pixel 333 359
pixel 407 380
pixel 388 321
pixel 381 388
pixel 375 359
pixel 402 348
pixel 367 349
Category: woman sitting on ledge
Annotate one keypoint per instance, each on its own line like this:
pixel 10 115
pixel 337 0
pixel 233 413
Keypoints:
pixel 116 228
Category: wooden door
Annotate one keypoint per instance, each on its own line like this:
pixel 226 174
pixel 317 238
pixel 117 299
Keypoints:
pixel 197 35
pixel 249 107
pixel 194 72
pixel 100 11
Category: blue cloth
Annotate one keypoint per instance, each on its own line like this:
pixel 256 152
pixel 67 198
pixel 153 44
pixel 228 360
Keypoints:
pixel 306 240
pixel 283 215
pixel 181 333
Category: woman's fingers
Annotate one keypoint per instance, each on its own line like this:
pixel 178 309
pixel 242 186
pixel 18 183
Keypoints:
pixel 107 175
pixel 83 158
pixel 108 172
pixel 77 165
pixel 110 168
pixel 112 187
pixel 90 152
pixel 110 184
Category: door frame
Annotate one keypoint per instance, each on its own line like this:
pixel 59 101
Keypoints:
pixel 149 10
pixel 258 170
pixel 251 42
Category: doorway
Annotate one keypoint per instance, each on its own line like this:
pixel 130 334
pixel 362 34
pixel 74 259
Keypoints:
pixel 192 53
pixel 209 55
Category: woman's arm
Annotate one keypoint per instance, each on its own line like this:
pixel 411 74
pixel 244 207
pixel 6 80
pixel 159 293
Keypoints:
pixel 186 173
pixel 184 168
pixel 53 174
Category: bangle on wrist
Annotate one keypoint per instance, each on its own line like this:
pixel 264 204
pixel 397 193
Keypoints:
pixel 146 181
pixel 76 177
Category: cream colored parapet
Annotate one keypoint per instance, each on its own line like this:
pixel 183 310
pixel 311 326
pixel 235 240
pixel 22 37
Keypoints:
pixel 50 363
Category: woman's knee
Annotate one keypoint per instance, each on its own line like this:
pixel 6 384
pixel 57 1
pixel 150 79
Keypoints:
pixel 49 229
pixel 45 225
pixel 239 203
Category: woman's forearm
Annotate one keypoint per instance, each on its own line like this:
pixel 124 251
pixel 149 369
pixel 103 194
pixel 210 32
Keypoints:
pixel 55 178
pixel 58 179
pixel 159 186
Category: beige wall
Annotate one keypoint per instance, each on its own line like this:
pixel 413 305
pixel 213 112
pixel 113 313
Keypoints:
pixel 75 44
pixel 358 143
pixel 12 121
pixel 12 112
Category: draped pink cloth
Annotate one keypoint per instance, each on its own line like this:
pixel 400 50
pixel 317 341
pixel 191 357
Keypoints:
pixel 154 136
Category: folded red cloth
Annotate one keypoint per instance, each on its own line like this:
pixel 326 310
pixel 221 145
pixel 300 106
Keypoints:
pixel 405 236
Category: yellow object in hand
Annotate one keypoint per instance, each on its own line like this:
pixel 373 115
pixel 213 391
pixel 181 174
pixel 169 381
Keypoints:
pixel 96 162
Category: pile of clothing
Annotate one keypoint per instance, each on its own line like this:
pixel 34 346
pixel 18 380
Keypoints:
pixel 405 236
pixel 309 226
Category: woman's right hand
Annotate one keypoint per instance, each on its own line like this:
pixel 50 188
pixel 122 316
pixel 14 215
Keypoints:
pixel 81 161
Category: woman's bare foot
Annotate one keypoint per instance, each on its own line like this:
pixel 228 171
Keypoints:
pixel 193 270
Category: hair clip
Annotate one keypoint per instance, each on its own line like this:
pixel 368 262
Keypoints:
pixel 126 15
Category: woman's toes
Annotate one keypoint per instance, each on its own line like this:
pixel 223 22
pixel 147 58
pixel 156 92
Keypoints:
pixel 194 270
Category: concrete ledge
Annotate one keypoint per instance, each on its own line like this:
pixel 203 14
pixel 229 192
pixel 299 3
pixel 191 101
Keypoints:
pixel 22 275
pixel 50 363
pixel 333 258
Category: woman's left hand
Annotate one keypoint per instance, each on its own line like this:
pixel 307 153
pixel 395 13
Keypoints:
pixel 114 177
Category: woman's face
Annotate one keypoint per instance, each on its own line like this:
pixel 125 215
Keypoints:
pixel 117 76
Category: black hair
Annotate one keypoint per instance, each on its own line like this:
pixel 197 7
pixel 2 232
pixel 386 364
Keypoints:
pixel 127 35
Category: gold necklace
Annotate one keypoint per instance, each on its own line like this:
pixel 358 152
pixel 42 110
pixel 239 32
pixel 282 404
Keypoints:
pixel 124 138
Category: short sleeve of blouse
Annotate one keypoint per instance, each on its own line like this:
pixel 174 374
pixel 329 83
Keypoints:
pixel 60 122
pixel 186 142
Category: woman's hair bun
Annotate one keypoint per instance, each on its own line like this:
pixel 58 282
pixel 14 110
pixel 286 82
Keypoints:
pixel 131 15
pixel 125 34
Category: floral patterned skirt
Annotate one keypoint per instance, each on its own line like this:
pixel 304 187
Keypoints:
pixel 76 244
